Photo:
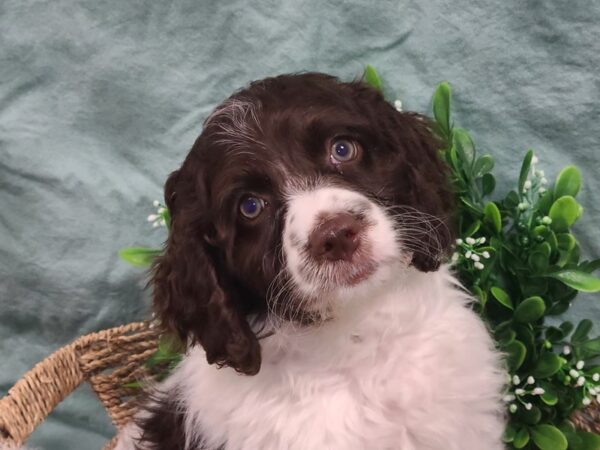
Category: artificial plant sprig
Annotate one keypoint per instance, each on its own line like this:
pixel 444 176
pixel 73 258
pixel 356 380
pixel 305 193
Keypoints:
pixel 520 259
pixel 143 256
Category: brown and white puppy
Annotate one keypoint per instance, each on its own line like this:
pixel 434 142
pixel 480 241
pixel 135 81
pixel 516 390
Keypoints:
pixel 309 223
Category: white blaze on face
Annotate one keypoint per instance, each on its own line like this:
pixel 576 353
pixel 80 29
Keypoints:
pixel 378 246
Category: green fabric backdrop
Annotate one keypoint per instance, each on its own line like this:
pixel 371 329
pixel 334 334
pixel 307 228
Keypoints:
pixel 99 101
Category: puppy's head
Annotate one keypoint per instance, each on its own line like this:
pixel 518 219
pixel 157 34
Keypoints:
pixel 300 191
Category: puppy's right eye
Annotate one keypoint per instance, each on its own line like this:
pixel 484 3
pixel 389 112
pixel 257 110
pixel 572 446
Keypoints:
pixel 251 207
pixel 343 150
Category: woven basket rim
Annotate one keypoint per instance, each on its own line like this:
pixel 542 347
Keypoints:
pixel 106 359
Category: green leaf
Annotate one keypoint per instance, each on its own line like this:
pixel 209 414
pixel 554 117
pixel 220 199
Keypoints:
pixel 590 266
pixel 530 309
pixel 539 230
pixel 568 182
pixel 564 212
pixel 491 215
pixel 582 281
pixel 509 433
pixel 502 326
pixel 502 297
pixel 545 248
pixel 568 402
pixel 483 165
pixel 525 335
pixel 575 442
pixel 372 78
pixel 464 147
pixel 551 240
pixel 545 202
pixel 441 107
pixel 591 347
pixel 574 255
pixel 170 344
pixel 563 259
pixel 511 200
pixel 566 426
pixel 516 352
pixel 535 286
pixel 488 183
pixel 554 334
pixel 169 352
pixel 166 215
pixel 495 243
pixel 581 332
pixel 505 337
pixel 547 365
pixel 521 438
pixel 470 207
pixel 566 327
pixel 160 357
pixel 558 309
pixel 482 296
pixel 538 261
pixel 593 369
pixel 525 169
pixel 548 437
pixel 567 256
pixel 549 398
pixel 566 241
pixel 589 441
pixel 531 417
pixel 474 228
pixel 454 159
pixel 139 256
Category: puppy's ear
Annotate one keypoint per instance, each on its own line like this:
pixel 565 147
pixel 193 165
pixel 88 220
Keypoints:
pixel 189 298
pixel 420 177
pixel 428 189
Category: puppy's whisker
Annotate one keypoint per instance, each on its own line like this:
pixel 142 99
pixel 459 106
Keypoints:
pixel 276 290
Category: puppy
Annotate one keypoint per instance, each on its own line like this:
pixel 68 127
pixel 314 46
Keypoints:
pixel 304 270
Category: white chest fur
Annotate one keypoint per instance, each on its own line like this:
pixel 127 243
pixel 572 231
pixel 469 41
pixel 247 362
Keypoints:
pixel 412 368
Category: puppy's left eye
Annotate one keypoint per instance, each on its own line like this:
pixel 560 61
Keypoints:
pixel 251 207
pixel 343 150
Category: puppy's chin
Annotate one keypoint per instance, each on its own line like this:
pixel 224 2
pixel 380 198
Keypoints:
pixel 368 282
pixel 357 273
pixel 345 297
pixel 362 276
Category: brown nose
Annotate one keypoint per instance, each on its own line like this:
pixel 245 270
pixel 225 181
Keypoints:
pixel 336 238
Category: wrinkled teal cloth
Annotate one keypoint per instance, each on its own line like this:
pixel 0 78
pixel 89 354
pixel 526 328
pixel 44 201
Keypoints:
pixel 99 101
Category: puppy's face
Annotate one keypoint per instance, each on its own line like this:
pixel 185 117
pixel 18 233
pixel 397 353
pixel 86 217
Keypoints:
pixel 300 191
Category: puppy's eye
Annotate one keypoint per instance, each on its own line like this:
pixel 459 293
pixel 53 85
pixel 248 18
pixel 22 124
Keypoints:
pixel 343 150
pixel 251 207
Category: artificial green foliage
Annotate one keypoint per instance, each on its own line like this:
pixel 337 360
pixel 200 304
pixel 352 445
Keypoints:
pixel 163 361
pixel 520 260
pixel 372 78
pixel 139 256
pixel 143 256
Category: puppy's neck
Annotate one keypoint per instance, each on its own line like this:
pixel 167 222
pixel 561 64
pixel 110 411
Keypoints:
pixel 387 302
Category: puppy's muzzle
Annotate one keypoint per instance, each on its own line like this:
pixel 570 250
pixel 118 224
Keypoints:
pixel 336 238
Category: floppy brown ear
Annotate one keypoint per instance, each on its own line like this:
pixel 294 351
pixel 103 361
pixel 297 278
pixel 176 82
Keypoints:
pixel 189 297
pixel 429 190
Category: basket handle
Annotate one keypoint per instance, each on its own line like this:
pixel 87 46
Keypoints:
pixel 37 393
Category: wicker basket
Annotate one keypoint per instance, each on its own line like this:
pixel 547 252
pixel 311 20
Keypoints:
pixel 108 360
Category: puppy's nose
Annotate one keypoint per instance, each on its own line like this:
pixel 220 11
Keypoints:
pixel 336 238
